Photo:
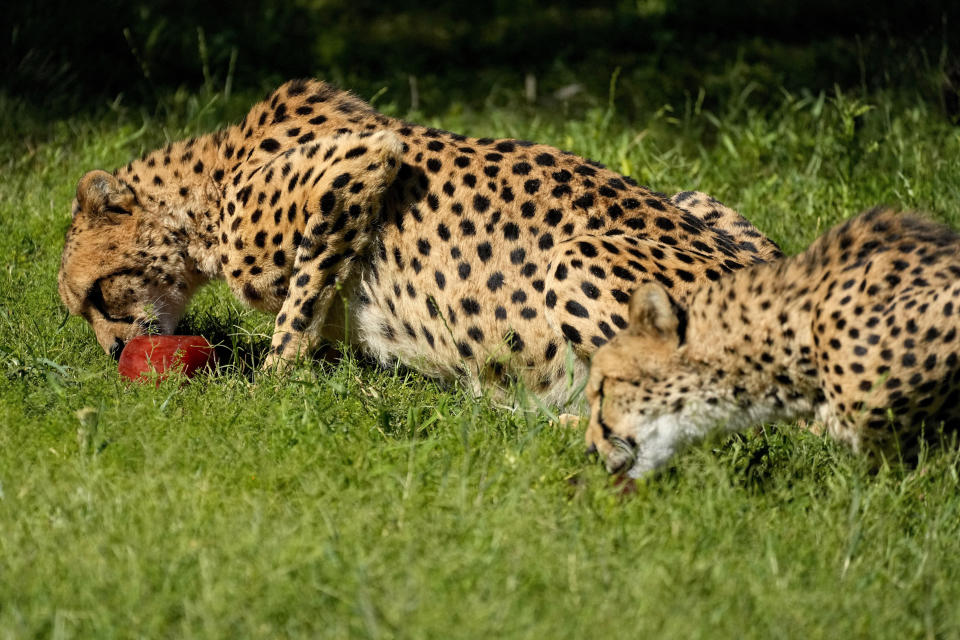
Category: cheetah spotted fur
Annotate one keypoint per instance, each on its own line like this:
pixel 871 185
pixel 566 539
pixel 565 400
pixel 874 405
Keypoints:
pixel 859 332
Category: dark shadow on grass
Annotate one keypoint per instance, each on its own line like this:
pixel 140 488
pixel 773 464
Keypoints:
pixel 72 56
pixel 245 353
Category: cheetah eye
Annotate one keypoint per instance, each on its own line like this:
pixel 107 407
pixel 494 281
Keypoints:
pixel 95 299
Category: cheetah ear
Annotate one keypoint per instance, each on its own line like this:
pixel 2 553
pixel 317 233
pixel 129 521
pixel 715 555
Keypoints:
pixel 103 198
pixel 654 314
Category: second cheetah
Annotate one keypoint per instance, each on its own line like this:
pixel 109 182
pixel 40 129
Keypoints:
pixel 859 332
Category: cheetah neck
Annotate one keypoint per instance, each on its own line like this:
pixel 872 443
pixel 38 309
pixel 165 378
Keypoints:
pixel 752 334
pixel 180 186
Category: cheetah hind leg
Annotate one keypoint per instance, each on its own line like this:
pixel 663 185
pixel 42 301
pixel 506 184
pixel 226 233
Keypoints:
pixel 345 204
pixel 722 218
pixel 590 279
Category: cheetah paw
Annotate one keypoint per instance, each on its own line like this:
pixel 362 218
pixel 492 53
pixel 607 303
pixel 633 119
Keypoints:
pixel 567 421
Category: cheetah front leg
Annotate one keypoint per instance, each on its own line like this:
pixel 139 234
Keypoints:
pixel 344 205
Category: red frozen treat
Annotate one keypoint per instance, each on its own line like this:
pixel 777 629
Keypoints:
pixel 625 485
pixel 145 355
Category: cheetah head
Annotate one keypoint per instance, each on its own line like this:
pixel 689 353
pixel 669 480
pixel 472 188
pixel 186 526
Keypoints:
pixel 120 270
pixel 647 398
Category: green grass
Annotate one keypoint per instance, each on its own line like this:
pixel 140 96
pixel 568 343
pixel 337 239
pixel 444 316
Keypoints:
pixel 347 501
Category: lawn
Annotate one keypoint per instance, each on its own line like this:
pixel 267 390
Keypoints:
pixel 346 500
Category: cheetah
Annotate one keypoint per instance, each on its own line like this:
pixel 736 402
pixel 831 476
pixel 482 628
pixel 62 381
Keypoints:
pixel 859 332
pixel 478 259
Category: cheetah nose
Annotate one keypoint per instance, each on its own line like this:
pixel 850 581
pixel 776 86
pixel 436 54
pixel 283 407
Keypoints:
pixel 591 450
pixel 116 348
